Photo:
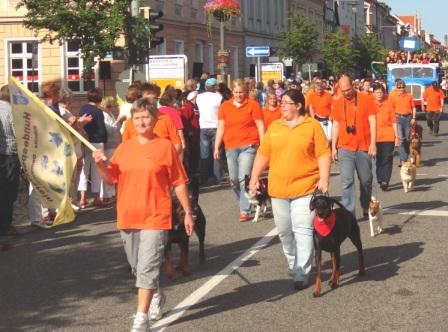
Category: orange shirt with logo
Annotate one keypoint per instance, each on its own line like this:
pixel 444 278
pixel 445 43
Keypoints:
pixel 270 116
pixel 292 155
pixel 385 118
pixel 145 174
pixel 346 114
pixel 239 123
pixel 163 128
pixel 402 104
pixel 321 104
pixel 435 99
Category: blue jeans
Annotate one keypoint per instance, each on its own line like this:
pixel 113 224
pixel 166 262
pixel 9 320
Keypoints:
pixel 403 124
pixel 239 162
pixel 207 144
pixel 294 222
pixel 362 163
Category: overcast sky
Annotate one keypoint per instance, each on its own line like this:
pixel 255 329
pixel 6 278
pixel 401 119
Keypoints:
pixel 433 13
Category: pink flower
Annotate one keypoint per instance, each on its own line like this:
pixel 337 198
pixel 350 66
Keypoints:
pixel 228 7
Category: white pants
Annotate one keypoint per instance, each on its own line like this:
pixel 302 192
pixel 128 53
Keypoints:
pixel 107 190
pixel 35 210
pixel 89 169
pixel 326 126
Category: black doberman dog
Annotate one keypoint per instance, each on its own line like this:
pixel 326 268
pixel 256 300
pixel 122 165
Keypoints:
pixel 178 235
pixel 344 225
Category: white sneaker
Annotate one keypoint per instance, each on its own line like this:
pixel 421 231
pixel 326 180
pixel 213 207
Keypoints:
pixel 141 323
pixel 41 224
pixel 157 303
pixel 75 207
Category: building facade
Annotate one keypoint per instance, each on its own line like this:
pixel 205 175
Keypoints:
pixel 351 16
pixel 380 23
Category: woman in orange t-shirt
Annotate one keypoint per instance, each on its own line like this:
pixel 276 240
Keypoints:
pixel 145 168
pixel 298 156
pixel 386 135
pixel 272 110
pixel 241 127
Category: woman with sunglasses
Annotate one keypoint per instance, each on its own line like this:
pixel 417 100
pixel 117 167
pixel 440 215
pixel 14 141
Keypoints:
pixel 145 168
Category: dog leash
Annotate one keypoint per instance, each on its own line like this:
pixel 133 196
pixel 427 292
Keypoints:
pixel 374 179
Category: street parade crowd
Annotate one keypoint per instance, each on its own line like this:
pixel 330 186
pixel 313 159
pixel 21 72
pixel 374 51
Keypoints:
pixel 159 144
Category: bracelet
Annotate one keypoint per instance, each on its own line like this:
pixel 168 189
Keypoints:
pixel 190 213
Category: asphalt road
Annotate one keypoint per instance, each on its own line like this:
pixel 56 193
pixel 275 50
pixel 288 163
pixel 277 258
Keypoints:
pixel 75 278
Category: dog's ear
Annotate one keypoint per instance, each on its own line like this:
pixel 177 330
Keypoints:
pixel 312 203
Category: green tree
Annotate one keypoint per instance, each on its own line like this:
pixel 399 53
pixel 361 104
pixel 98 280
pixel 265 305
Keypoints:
pixel 299 42
pixel 368 49
pixel 97 24
pixel 338 53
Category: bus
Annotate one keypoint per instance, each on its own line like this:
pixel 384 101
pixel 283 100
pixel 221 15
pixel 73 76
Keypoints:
pixel 417 77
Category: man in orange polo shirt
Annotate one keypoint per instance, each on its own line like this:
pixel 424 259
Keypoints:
pixel 319 103
pixel 402 104
pixel 354 142
pixel 434 99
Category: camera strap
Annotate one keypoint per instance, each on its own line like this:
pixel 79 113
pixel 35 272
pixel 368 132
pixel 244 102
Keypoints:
pixel 355 108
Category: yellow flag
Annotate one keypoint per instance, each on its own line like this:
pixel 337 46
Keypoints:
pixel 45 149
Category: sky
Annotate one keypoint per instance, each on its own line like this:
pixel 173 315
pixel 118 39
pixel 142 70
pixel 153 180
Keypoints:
pixel 433 14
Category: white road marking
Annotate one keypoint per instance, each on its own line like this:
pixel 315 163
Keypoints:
pixel 429 212
pixel 197 295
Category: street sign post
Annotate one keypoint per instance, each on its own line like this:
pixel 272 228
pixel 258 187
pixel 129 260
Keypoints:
pixel 309 68
pixel 257 52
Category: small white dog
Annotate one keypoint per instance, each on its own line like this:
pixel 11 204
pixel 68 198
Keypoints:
pixel 408 173
pixel 375 216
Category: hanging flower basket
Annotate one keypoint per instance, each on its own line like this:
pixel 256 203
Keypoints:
pixel 221 10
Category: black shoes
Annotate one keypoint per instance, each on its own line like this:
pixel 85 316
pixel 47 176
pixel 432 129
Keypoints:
pixel 299 285
pixel 384 185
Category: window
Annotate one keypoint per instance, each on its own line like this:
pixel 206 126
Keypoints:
pixel 178 47
pixel 211 59
pixel 161 49
pixel 198 52
pixel 160 5
pixel 194 9
pixel 178 7
pixel 235 62
pixel 23 60
pixel 73 69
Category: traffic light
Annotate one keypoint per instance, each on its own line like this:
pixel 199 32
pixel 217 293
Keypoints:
pixel 155 27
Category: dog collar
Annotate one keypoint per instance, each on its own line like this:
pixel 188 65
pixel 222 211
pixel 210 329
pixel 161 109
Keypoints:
pixel 324 226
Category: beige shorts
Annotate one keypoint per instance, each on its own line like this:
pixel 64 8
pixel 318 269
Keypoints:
pixel 144 251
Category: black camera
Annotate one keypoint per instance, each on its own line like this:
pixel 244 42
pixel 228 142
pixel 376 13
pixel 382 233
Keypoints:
pixel 350 129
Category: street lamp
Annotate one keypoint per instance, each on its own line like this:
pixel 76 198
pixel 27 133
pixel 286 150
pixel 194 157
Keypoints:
pixel 355 11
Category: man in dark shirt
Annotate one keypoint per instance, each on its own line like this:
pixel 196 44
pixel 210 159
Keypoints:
pixel 97 135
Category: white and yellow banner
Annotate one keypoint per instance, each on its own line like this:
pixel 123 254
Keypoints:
pixel 45 149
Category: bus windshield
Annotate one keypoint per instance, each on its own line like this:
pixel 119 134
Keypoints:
pixel 407 72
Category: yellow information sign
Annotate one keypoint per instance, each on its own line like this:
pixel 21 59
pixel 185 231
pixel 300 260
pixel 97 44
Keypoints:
pixel 165 70
pixel 271 71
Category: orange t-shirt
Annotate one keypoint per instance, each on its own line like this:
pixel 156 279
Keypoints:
pixel 163 128
pixel 360 140
pixel 435 99
pixel 385 118
pixel 270 116
pixel 145 174
pixel 321 105
pixel 402 104
pixel 239 123
pixel 292 155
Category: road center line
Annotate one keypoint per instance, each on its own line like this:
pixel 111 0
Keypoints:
pixel 429 212
pixel 197 295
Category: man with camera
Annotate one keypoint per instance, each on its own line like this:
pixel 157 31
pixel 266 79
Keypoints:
pixel 354 142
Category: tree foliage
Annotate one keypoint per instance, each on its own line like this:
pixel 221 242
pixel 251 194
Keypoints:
pixel 368 49
pixel 97 24
pixel 338 53
pixel 299 42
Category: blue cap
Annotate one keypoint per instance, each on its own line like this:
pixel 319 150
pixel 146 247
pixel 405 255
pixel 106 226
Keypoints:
pixel 211 82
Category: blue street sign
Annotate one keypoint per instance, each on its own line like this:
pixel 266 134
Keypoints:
pixel 257 51
pixel 410 44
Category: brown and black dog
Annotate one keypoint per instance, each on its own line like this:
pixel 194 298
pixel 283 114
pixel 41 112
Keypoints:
pixel 177 235
pixel 344 225
pixel 415 150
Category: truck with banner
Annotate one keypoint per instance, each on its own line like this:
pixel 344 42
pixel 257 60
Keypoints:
pixel 417 77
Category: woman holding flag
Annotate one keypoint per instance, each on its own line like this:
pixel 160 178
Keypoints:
pixel 145 168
